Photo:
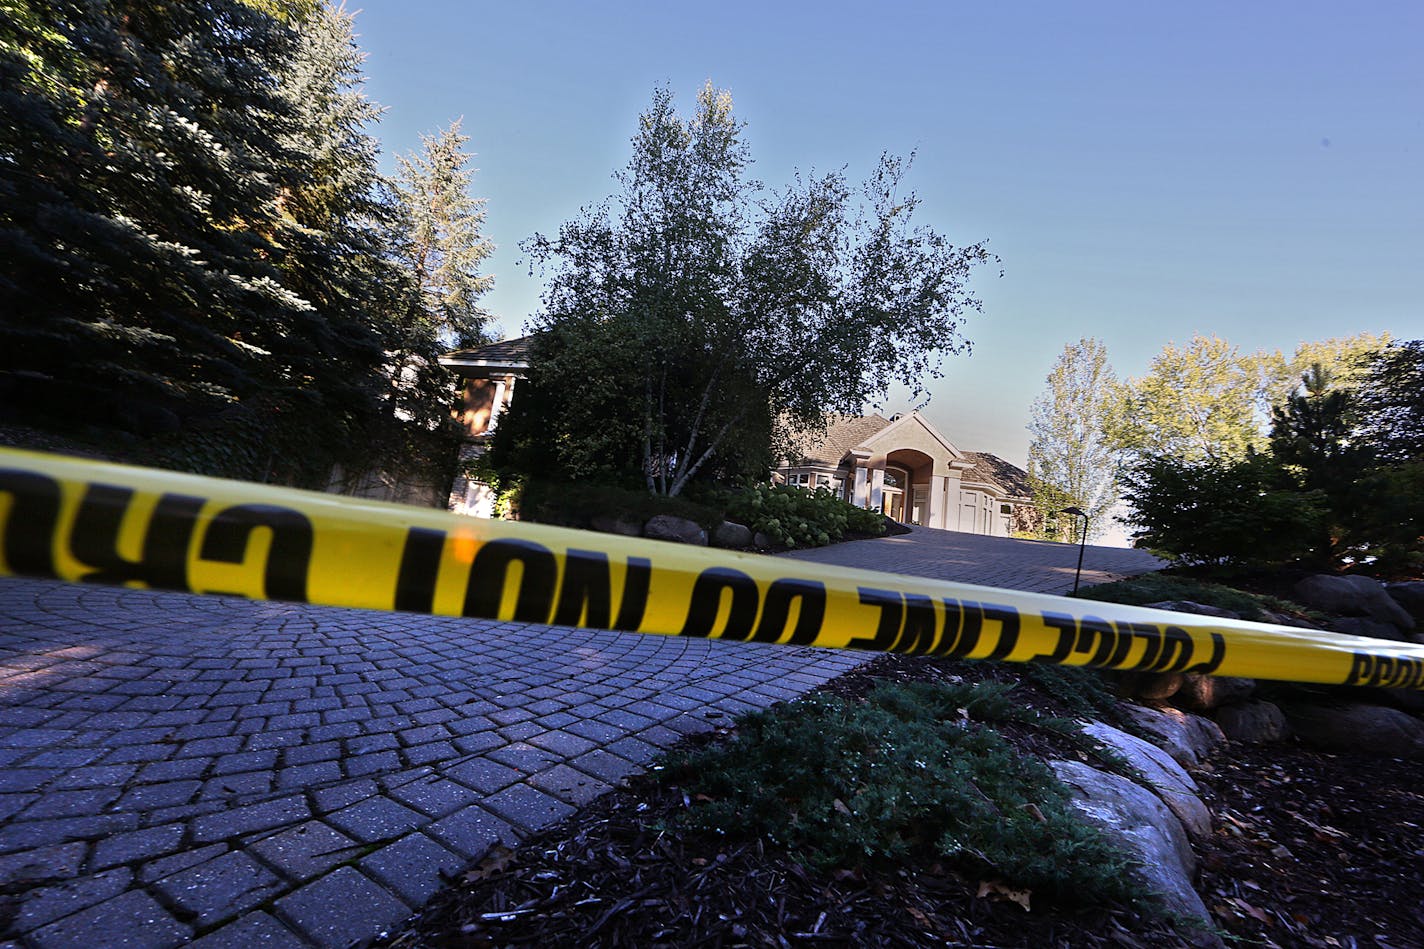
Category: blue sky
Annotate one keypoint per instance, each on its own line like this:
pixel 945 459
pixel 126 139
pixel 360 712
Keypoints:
pixel 1144 171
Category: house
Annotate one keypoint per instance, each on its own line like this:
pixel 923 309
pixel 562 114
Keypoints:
pixel 904 467
pixel 901 465
pixel 487 378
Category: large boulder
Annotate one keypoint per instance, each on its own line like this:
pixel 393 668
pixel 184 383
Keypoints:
pixel 1256 723
pixel 1189 739
pixel 1203 693
pixel 1164 776
pixel 1410 595
pixel 616 524
pixel 1367 729
pixel 1138 822
pixel 1369 628
pixel 1353 596
pixel 732 535
pixel 677 529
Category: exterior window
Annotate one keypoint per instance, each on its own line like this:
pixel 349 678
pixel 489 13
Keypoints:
pixel 892 479
pixel 1005 509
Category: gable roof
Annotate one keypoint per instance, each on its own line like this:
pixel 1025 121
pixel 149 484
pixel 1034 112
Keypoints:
pixel 510 355
pixel 994 471
pixel 846 432
pixel 916 420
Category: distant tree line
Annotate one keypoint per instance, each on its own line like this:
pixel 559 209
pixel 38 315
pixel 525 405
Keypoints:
pixel 197 247
pixel 1226 458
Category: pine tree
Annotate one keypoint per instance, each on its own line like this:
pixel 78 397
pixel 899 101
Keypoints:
pixel 142 166
pixel 444 246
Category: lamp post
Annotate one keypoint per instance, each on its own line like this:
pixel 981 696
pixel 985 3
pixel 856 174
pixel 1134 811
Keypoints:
pixel 1082 543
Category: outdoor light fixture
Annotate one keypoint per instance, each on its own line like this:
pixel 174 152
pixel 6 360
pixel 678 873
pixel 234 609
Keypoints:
pixel 1082 543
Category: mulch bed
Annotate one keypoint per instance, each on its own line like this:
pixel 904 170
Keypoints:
pixel 1311 850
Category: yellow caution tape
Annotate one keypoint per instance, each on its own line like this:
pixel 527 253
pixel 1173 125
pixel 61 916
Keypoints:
pixel 92 522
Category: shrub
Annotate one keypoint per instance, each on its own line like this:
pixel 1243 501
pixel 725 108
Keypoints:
pixel 1221 513
pixel 912 773
pixel 796 517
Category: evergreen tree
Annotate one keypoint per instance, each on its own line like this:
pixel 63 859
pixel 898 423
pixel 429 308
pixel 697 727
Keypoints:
pixel 141 164
pixel 443 245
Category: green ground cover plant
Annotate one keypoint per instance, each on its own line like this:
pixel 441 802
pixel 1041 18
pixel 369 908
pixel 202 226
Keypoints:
pixel 914 772
pixel 796 517
pixel 1157 587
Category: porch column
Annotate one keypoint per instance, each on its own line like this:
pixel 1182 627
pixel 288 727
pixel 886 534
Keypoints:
pixel 938 502
pixel 877 488
pixel 861 497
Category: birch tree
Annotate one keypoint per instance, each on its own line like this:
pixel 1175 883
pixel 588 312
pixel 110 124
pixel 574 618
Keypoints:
pixel 696 311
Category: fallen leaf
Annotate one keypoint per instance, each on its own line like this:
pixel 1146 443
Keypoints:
pixel 1000 891
pixel 496 861
pixel 840 807
pixel 1035 812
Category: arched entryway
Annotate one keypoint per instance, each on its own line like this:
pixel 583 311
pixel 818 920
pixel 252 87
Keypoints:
pixel 908 476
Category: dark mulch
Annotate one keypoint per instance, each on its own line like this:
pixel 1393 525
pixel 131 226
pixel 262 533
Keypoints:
pixel 1311 850
pixel 1314 849
pixel 620 874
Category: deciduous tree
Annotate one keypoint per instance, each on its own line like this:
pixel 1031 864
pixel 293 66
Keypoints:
pixel 1071 460
pixel 695 309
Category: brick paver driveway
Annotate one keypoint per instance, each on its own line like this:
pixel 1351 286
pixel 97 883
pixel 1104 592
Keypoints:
pixel 261 774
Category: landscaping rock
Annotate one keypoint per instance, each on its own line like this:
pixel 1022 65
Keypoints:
pixel 610 524
pixel 1369 628
pixel 677 529
pixel 1406 700
pixel 1138 821
pixel 1154 687
pixel 1257 723
pixel 731 534
pixel 1285 619
pixel 761 541
pixel 1164 776
pixel 1409 595
pixel 1367 729
pixel 1353 596
pixel 1189 606
pixel 1203 693
pixel 1188 738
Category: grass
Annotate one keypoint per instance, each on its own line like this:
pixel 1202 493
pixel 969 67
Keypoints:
pixel 914 772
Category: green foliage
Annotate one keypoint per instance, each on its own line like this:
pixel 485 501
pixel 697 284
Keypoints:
pixel 1196 404
pixel 1391 399
pixel 693 312
pixel 913 773
pixel 197 236
pixel 575 505
pixel 1159 587
pixel 1071 462
pixel 796 517
pixel 1225 513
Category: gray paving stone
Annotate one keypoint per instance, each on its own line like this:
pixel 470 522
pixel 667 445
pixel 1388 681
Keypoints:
pixel 37 833
pixel 340 795
pixel 527 807
pixel 130 921
pixel 47 903
pixel 376 818
pixel 53 863
pixel 27 779
pixel 605 765
pixel 483 775
pixel 138 845
pixel 167 866
pixel 254 931
pixel 569 785
pixel 152 796
pixel 433 796
pixel 306 850
pixel 242 820
pixel 83 803
pixel 411 867
pixel 471 831
pixel 221 888
pixel 340 908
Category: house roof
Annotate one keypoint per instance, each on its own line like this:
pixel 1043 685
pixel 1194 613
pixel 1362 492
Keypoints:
pixel 511 355
pixel 996 472
pixel 846 432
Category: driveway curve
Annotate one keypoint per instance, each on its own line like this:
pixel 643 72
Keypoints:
pixel 178 769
